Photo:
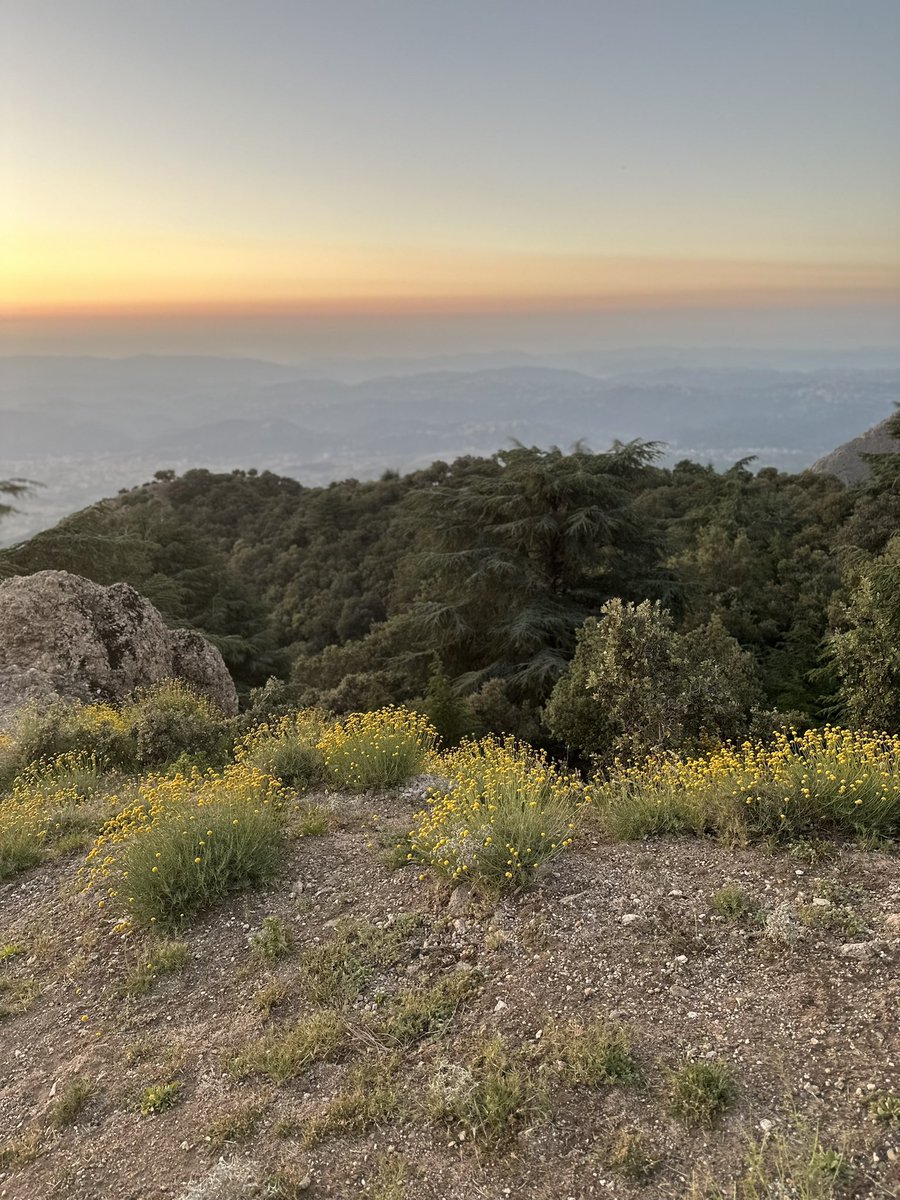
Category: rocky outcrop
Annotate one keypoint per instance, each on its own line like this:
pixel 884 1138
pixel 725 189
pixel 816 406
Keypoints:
pixel 847 462
pixel 61 635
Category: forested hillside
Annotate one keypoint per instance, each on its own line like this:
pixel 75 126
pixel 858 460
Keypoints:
pixel 463 586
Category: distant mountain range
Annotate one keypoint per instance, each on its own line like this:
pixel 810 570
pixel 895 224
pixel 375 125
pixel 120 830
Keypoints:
pixel 86 427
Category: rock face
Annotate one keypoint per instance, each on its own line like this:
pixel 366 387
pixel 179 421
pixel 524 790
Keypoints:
pixel 847 462
pixel 61 635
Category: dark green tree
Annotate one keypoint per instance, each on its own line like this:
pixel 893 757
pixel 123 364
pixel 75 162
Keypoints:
pixel 865 646
pixel 515 552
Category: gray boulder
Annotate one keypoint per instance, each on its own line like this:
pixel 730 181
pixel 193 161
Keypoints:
pixel 61 635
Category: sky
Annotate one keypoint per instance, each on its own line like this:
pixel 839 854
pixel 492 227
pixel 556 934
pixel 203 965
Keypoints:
pixel 412 175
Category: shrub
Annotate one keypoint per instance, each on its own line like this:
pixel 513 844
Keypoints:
pixel 55 804
pixel 380 749
pixel 287 748
pixel 507 812
pixel 186 842
pixel 170 719
pixel 699 1092
pixel 819 783
pixel 636 685
pixel 64 727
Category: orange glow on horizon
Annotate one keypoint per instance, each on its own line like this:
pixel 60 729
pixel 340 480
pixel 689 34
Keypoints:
pixel 91 275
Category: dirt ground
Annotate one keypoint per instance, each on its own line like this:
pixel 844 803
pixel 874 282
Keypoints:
pixel 807 1018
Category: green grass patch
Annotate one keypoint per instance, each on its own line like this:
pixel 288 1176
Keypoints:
pixel 425 1011
pixel 158 1097
pixel 371 1097
pixel 700 1092
pixel 337 972
pixel 593 1054
pixel 489 1096
pixel 272 941
pixel 282 1054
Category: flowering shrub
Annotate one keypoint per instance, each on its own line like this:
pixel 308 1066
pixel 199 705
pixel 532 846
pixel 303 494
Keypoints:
pixel 186 841
pixel 377 749
pixel 823 782
pixel 170 719
pixel 507 811
pixel 64 727
pixel 288 748
pixel 54 803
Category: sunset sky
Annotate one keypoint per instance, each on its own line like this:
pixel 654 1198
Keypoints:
pixel 209 165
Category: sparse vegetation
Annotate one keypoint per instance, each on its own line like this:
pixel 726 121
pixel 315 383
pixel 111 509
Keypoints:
pixel 283 1054
pixel 272 940
pixel 592 1054
pixel 885 1106
pixel 630 1156
pixel 390 1180
pixel 490 1094
pixel 732 903
pixel 420 1012
pixel 798 1165
pixel 232 1125
pixel 371 1097
pixel 70 1103
pixel 336 972
pixel 160 956
pixel 267 999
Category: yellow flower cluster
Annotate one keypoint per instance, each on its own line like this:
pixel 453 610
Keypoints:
pixel 307 726
pixel 824 780
pixel 507 810
pixel 188 805
pixel 46 802
pixel 377 749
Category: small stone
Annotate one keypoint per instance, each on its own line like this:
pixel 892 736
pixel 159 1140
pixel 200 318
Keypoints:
pixel 857 950
pixel 821 902
pixel 459 902
pixel 630 918
pixel 892 922
pixel 766 1125
pixel 500 1005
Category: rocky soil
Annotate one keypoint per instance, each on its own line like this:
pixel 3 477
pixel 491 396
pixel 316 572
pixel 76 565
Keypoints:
pixel 803 1006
